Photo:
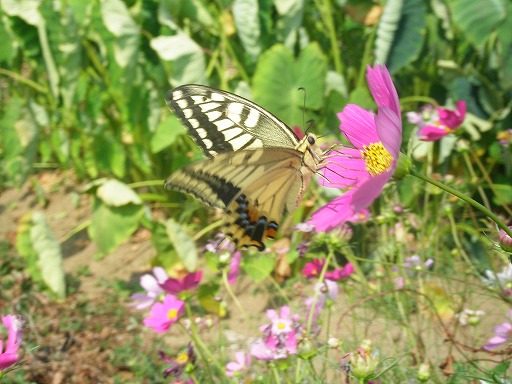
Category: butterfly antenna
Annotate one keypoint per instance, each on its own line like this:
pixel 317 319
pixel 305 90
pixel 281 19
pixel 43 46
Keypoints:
pixel 303 107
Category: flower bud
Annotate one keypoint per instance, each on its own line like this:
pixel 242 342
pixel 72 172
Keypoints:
pixel 505 240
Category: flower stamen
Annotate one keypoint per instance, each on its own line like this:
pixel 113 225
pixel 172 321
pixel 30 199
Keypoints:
pixel 377 158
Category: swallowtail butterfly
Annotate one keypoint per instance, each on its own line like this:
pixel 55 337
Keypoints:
pixel 257 167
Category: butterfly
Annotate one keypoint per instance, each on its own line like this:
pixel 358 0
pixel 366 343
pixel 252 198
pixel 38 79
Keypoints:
pixel 257 167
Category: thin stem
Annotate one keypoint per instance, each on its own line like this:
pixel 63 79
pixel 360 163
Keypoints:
pixel 465 198
pixel 231 294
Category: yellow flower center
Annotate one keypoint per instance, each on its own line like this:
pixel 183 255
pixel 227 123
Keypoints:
pixel 172 314
pixel 281 326
pixel 377 158
pixel 182 358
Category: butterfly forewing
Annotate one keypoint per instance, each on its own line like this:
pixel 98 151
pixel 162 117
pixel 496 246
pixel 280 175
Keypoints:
pixel 223 122
pixel 257 170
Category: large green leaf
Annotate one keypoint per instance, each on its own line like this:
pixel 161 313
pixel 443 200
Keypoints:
pixel 118 20
pixel 386 31
pixel 183 244
pixel 478 19
pixel 505 44
pixel 166 133
pixel 19 135
pixel 259 267
pixel 279 75
pixel 246 14
pixel 409 37
pixel 49 254
pixel 116 194
pixel 36 242
pixel 187 57
pixel 110 226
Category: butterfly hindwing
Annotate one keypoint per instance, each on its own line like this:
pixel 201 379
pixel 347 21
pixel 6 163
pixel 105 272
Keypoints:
pixel 223 122
pixel 253 187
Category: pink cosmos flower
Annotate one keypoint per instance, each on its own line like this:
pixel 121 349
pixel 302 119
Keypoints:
pixel 435 124
pixel 367 167
pixel 151 283
pixel 502 334
pixel 164 314
pixel 314 268
pixel 9 355
pixel 239 365
pixel 188 283
pixel 279 337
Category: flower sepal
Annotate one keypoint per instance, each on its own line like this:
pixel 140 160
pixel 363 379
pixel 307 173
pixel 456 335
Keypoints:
pixel 403 166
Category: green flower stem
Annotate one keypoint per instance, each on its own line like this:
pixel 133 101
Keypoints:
pixel 231 294
pixel 202 349
pixel 463 197
pixel 298 369
pixel 418 99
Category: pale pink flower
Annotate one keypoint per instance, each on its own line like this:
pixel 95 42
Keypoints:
pixel 502 334
pixel 239 365
pixel 435 124
pixel 366 168
pixel 151 283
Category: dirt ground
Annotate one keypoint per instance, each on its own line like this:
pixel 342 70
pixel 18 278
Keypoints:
pixel 81 351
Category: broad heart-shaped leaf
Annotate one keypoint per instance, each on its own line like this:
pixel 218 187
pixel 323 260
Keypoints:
pixel 50 257
pixel 187 57
pixel 119 22
pixel 110 225
pixel 259 267
pixel 183 244
pixel 409 37
pixel 279 74
pixel 478 19
pixel 246 14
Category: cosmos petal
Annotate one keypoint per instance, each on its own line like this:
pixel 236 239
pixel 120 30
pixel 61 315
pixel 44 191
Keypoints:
pixel 333 213
pixel 366 193
pixel 389 128
pixel 382 88
pixel 358 125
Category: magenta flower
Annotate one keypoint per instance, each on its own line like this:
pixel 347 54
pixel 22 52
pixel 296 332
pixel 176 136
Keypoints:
pixel 151 283
pixel 314 268
pixel 502 334
pixel 239 365
pixel 365 169
pixel 9 355
pixel 435 124
pixel 188 283
pixel 340 273
pixel 178 365
pixel 164 314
